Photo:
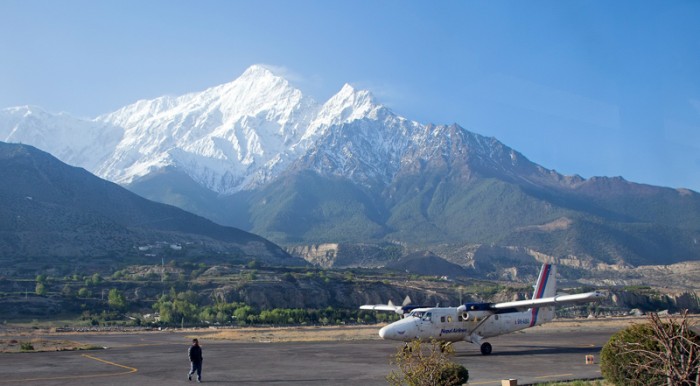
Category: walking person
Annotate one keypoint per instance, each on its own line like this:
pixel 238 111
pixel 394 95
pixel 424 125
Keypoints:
pixel 195 354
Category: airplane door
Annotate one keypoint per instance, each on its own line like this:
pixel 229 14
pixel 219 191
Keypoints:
pixel 425 324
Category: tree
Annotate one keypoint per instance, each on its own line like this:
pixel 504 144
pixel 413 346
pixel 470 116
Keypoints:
pixel 654 353
pixel 241 314
pixel 427 365
pixel 116 300
pixel 40 288
pixel 84 293
pixel 178 307
pixel 67 290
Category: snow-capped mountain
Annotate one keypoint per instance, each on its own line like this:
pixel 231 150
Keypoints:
pixel 240 135
pixel 225 137
pixel 257 154
pixel 74 141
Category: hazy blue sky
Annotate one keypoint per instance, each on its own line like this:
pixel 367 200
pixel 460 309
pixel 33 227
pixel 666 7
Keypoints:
pixel 584 87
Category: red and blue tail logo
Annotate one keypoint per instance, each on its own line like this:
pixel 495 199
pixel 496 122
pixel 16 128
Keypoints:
pixel 541 290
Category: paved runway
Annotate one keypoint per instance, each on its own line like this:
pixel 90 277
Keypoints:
pixel 160 358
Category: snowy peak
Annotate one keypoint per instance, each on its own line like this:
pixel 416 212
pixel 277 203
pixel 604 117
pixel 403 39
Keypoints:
pixel 242 134
pixel 75 141
pixel 232 136
pixel 348 96
pixel 258 73
pixel 226 137
pixel 348 105
pixel 256 90
pixel 259 90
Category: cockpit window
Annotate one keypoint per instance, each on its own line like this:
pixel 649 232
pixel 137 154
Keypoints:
pixel 428 316
pixel 416 314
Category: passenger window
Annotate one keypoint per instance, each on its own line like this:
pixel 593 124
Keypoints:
pixel 449 319
pixel 442 319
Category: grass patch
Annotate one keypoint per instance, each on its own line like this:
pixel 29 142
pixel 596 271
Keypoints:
pixel 296 334
pixel 42 345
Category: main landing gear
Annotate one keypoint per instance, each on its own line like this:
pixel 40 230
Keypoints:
pixel 486 348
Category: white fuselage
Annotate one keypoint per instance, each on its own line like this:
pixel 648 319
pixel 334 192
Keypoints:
pixel 453 324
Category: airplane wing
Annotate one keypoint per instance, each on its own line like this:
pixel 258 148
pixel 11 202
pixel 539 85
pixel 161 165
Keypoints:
pixel 404 308
pixel 382 307
pixel 401 310
pixel 550 301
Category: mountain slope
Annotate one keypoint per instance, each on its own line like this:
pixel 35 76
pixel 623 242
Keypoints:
pixel 74 141
pixel 50 209
pixel 257 154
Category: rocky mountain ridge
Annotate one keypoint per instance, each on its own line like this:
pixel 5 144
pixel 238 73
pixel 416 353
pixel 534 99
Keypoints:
pixel 257 154
pixel 52 213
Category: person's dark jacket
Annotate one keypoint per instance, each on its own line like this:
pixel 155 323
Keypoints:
pixel 195 353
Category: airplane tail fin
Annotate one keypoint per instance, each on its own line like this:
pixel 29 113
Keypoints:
pixel 546 286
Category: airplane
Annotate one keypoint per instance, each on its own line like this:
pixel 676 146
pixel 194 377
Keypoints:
pixel 475 322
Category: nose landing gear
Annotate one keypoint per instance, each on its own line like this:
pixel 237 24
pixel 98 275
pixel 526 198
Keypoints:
pixel 486 348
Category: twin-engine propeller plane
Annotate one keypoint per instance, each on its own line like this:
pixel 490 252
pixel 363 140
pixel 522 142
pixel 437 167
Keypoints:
pixel 475 322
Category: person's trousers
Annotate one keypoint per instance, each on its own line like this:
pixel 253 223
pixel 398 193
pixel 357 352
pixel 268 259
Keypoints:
pixel 196 367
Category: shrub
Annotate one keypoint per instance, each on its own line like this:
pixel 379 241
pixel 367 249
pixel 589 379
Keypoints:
pixel 26 346
pixel 655 353
pixel 424 365
pixel 453 374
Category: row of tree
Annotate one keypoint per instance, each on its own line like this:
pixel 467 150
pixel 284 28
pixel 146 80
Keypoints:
pixel 184 307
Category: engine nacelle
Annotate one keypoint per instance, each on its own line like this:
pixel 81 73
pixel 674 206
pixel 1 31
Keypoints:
pixel 474 316
pixel 474 312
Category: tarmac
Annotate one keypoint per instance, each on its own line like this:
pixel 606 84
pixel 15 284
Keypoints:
pixel 536 355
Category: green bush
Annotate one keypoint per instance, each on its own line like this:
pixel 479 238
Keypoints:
pixel 655 353
pixel 618 360
pixel 454 374
pixel 427 365
pixel 26 346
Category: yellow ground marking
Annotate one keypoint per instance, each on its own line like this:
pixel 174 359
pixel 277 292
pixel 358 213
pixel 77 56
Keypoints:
pixel 128 368
pixel 554 375
pixel 131 369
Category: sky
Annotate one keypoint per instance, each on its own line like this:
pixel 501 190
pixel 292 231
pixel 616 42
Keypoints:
pixel 594 88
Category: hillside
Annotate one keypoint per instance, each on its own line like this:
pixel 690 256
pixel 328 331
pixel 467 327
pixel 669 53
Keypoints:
pixel 644 226
pixel 259 155
pixel 51 211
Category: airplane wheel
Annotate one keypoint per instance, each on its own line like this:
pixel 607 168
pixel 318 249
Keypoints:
pixel 486 348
